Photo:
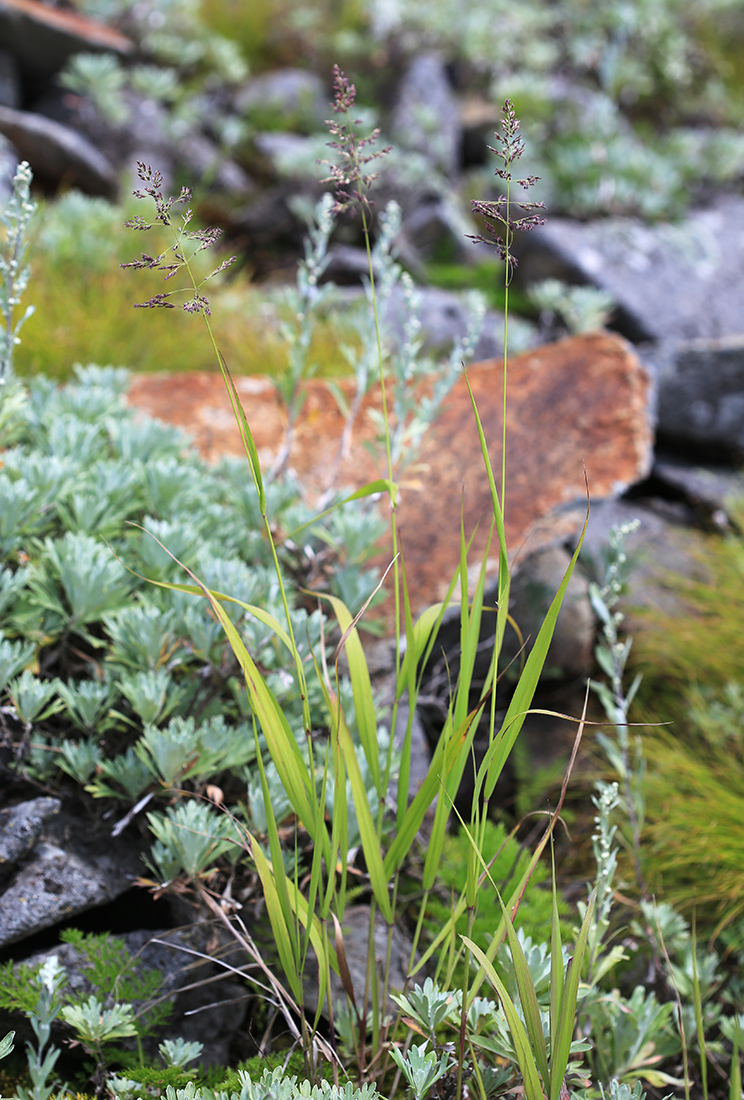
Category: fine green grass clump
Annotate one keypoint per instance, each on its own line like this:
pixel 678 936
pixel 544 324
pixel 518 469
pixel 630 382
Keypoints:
pixel 692 679
pixel 83 307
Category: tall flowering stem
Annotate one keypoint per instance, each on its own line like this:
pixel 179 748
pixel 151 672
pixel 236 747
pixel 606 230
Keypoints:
pixel 504 217
pixel 197 302
pixel 351 177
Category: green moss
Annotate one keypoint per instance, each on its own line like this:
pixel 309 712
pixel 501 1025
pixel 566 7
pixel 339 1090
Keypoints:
pixel 488 277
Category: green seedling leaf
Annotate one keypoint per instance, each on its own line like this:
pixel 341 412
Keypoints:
pixel 95 1024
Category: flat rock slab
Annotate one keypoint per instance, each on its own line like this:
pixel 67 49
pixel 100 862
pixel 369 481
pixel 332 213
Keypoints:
pixel 583 403
pixel 678 282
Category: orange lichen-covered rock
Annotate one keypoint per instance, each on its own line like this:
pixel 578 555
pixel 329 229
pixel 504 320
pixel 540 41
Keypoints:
pixel 579 405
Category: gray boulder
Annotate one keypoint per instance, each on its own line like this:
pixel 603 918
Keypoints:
pixel 426 117
pixel 10 80
pixel 671 282
pixel 713 492
pixel 701 391
pixel 57 153
pixel 41 37
pixel 437 229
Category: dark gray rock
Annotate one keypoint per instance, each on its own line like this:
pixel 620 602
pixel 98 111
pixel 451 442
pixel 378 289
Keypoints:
pixel 671 282
pixel 439 230
pixel 347 266
pixel 57 153
pixel 713 491
pixel 20 828
pixel 701 391
pixel 426 117
pixel 10 80
pixel 535 584
pixel 41 38
pixel 61 872
pixel 289 155
pixel 285 99
pixel 9 160
pixel 201 160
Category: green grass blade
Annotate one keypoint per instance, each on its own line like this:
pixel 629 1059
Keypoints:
pixel 365 821
pixel 372 488
pixel 456 757
pixel 341 737
pixel 525 1055
pixel 528 997
pixel 249 444
pixel 559 1056
pixel 698 1006
pixel 416 643
pixel 556 964
pixel 735 1075
pixel 279 928
pixel 404 771
pixel 361 685
pixel 524 693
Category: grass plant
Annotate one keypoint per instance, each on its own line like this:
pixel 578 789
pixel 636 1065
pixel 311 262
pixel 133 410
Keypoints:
pixel 300 918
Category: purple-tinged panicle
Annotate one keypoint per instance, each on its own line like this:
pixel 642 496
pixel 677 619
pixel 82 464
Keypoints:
pixel 351 182
pixel 203 238
pixel 500 224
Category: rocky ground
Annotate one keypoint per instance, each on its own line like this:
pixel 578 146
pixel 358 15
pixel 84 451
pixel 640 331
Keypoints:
pixel 652 409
